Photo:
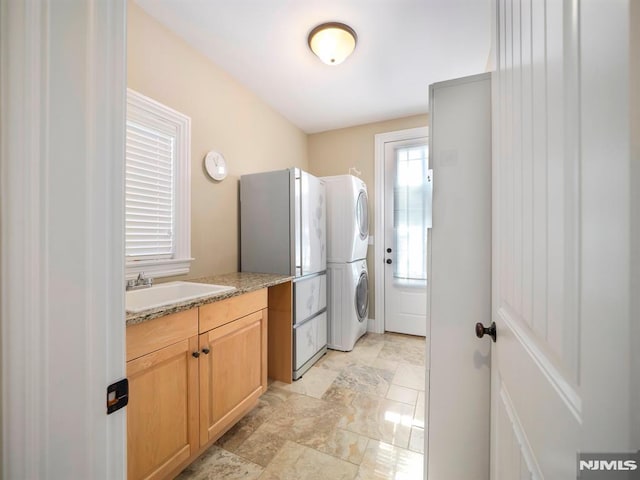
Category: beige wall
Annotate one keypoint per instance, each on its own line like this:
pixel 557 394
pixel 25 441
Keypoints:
pixel 225 117
pixel 335 151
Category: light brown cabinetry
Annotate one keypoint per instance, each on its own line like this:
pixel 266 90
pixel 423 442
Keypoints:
pixel 280 336
pixel 162 422
pixel 233 370
pixel 233 374
pixel 192 375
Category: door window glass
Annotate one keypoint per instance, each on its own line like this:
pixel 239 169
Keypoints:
pixel 410 214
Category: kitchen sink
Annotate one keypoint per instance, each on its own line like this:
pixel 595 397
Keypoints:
pixel 170 293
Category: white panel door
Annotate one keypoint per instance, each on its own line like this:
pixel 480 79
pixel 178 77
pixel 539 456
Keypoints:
pixel 535 248
pixel 560 366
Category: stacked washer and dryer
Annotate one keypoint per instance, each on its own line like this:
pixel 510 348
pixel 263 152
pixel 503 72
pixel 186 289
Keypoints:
pixel 347 276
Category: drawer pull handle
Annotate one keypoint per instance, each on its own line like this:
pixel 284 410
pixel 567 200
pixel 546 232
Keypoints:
pixel 196 354
pixel 206 351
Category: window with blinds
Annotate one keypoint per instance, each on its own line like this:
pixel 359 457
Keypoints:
pixel 157 189
pixel 149 193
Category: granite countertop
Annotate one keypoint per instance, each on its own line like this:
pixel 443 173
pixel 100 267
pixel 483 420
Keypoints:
pixel 244 282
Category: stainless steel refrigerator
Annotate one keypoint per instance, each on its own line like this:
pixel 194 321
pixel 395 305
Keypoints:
pixel 283 230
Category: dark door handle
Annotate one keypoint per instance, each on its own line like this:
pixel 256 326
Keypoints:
pixel 481 330
pixel 388 250
pixel 206 350
pixel 195 354
pixel 389 261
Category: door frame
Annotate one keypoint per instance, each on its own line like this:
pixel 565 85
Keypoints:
pixel 380 140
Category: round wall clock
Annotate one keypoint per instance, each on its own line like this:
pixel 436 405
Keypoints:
pixel 215 165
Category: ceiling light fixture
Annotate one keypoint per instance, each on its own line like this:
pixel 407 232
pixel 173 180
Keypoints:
pixel 332 42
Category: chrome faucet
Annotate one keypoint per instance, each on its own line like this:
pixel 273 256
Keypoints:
pixel 140 282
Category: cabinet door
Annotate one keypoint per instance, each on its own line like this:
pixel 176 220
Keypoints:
pixel 233 374
pixel 162 423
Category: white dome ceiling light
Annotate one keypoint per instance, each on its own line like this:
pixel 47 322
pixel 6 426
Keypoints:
pixel 332 42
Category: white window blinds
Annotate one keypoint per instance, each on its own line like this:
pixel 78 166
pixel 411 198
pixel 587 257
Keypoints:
pixel 149 192
pixel 157 189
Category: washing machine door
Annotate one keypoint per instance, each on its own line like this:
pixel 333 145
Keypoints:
pixel 362 297
pixel 362 214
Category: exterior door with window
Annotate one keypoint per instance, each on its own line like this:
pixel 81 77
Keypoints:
pixel 407 217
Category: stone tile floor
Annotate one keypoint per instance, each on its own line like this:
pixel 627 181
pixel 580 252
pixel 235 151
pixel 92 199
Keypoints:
pixel 354 415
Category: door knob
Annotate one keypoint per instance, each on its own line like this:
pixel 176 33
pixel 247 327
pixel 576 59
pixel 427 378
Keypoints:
pixel 195 354
pixel 206 350
pixel 481 330
pixel 389 261
pixel 388 250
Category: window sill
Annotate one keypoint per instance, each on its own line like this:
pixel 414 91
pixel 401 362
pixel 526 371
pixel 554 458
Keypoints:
pixel 158 268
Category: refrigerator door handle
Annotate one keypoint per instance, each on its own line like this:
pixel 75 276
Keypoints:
pixel 429 205
pixel 297 222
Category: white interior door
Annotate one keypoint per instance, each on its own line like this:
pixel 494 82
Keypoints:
pixel 561 243
pixel 62 124
pixel 406 219
pixel 459 279
pixel 536 250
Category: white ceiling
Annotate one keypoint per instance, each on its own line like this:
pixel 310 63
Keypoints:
pixel 403 46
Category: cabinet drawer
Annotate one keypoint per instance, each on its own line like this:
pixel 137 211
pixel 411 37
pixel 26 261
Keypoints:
pixel 308 338
pixel 153 335
pixel 219 313
pixel 310 296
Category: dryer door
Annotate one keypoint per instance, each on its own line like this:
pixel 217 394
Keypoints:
pixel 362 297
pixel 362 214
